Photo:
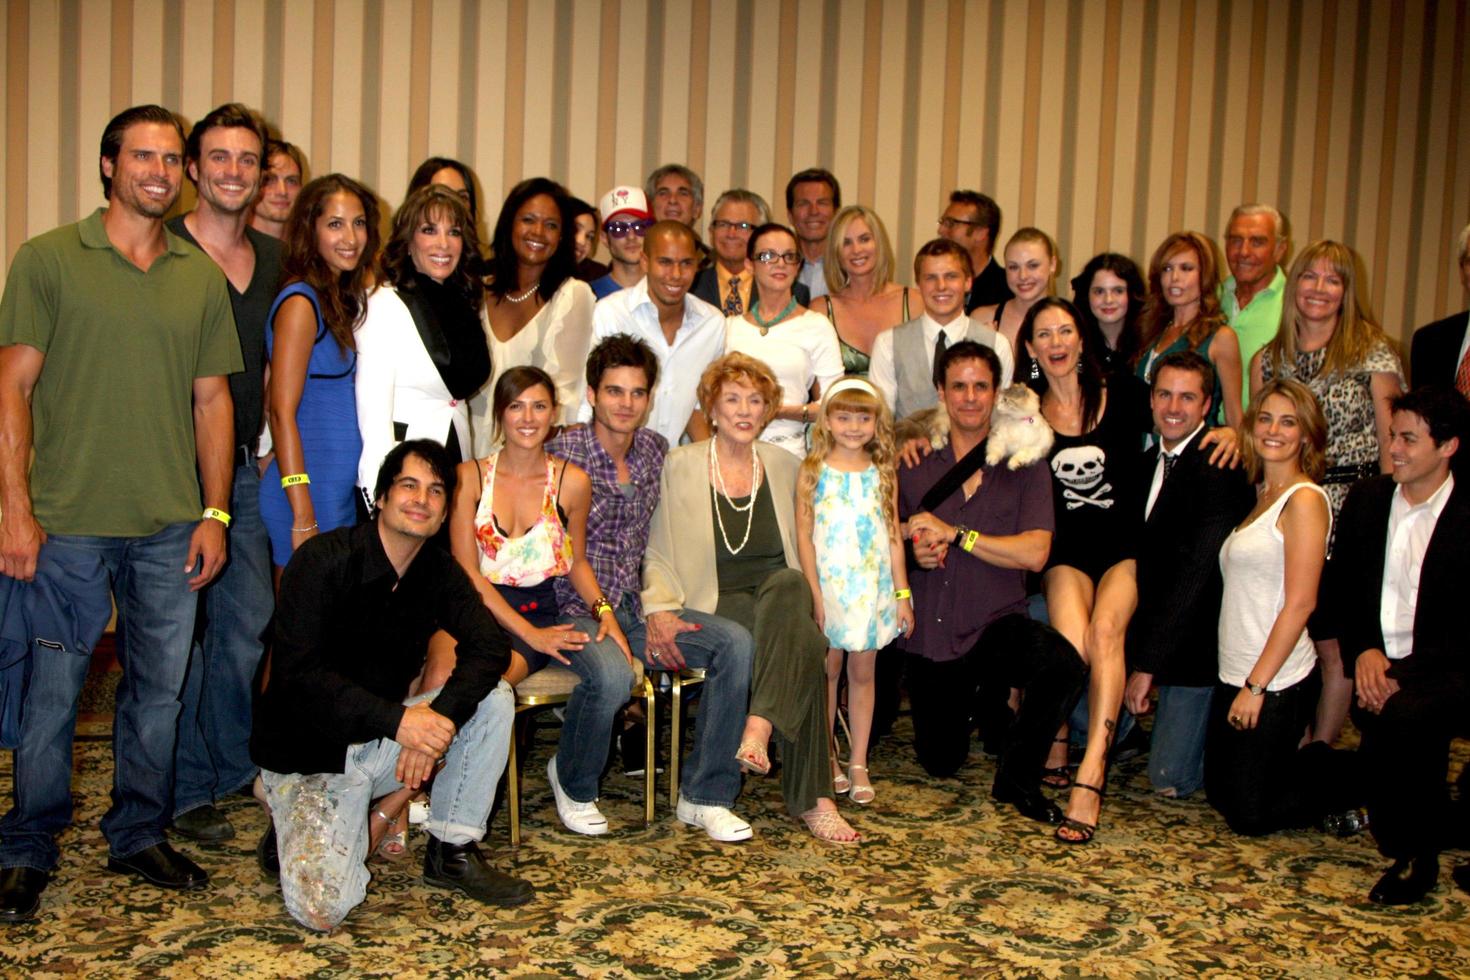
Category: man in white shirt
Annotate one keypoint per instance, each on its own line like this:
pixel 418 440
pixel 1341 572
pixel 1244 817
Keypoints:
pixel 684 331
pixel 902 367
pixel 1402 538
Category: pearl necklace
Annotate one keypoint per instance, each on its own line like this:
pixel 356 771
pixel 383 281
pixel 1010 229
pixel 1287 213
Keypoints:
pixel 717 490
pixel 523 296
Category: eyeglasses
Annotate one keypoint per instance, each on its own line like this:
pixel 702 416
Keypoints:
pixel 771 257
pixel 948 223
pixel 719 224
pixel 620 229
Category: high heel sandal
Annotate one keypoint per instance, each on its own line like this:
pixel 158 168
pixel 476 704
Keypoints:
pixel 753 758
pixel 394 844
pixel 862 791
pixel 840 781
pixel 827 825
pixel 1084 831
pixel 1057 777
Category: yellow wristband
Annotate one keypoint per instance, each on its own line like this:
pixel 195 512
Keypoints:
pixel 903 593
pixel 295 479
pixel 216 514
pixel 969 543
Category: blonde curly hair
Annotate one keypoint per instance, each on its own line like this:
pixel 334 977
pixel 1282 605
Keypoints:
pixel 882 449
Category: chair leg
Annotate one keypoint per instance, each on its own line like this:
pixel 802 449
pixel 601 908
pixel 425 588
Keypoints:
pixel 513 785
pixel 676 692
pixel 650 760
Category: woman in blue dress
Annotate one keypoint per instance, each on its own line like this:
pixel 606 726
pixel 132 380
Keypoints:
pixel 330 241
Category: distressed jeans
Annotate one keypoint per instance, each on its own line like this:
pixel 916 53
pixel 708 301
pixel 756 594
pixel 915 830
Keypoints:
pixel 321 819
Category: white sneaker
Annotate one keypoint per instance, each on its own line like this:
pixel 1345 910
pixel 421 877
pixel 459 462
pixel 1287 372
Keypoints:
pixel 581 818
pixel 717 821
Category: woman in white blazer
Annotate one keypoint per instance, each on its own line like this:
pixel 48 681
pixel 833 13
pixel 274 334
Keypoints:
pixel 421 351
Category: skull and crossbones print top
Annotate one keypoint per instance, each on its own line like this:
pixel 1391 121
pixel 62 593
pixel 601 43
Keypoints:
pixel 1096 483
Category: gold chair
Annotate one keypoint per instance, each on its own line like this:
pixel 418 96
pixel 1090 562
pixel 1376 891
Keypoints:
pixel 678 680
pixel 553 685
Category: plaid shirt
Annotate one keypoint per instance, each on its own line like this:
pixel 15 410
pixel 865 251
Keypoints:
pixel 617 524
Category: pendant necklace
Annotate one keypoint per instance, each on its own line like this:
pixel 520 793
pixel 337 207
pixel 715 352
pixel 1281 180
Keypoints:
pixel 764 324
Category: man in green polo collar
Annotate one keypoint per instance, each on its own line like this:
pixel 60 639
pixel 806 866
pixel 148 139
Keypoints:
pixel 1255 246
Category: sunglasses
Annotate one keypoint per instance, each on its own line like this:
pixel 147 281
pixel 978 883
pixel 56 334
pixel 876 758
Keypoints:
pixel 621 229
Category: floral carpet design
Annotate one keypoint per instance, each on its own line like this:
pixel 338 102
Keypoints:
pixel 945 883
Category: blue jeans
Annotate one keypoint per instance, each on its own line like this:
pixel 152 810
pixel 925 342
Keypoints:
pixel 726 652
pixel 156 610
pixel 1176 756
pixel 213 755
pixel 586 731
pixel 321 819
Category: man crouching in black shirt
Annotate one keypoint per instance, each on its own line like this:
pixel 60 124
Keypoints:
pixel 331 732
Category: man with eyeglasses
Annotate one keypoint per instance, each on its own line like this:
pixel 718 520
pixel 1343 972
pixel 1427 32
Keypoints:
pixel 725 284
pixel 625 220
pixel 972 221
pixel 685 332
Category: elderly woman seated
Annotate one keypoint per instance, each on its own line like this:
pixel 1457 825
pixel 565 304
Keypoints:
pixel 724 541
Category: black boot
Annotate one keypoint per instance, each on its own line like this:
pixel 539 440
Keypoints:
pixel 462 867
pixel 20 893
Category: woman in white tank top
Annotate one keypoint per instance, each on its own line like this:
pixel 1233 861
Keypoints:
pixel 1271 564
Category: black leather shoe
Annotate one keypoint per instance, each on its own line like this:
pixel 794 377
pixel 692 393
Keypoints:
pixel 161 865
pixel 463 868
pixel 204 823
pixel 20 893
pixel 1408 881
pixel 266 854
pixel 1031 803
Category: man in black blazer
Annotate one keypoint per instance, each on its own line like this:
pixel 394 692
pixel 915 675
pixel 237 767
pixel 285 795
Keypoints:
pixel 1403 537
pixel 737 214
pixel 1438 348
pixel 1190 510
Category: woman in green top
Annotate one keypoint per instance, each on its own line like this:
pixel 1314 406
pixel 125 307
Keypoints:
pixel 862 299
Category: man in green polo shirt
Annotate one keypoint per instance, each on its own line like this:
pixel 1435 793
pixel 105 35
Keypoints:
pixel 116 338
pixel 1255 245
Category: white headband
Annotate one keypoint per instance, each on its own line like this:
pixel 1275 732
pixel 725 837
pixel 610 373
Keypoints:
pixel 846 384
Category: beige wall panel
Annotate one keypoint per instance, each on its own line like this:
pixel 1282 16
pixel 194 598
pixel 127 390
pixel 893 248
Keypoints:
pixel 540 42
pixel 344 153
pixel 1159 131
pixel 1294 189
pixel 9 203
pixel 972 125
pixel 911 221
pixel 1047 165
pixel 196 58
pixel 582 116
pixel 806 126
pixel 1339 140
pixel 1127 137
pixel 724 120
pixel 94 109
pixel 392 83
pixel 846 127
pixel 629 164
pixel 298 34
pixel 43 127
pixel 1006 129
pixel 1370 169
pixel 1196 189
pixel 250 53
pixel 1391 297
pixel 1236 106
pixel 889 196
pixel 490 109
pixel 757 141
pixel 147 53
pixel 1088 130
pixel 1440 225
pixel 444 73
pixel 673 81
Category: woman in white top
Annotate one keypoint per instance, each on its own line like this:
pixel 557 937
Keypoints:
pixel 537 312
pixel 421 351
pixel 796 344
pixel 1271 564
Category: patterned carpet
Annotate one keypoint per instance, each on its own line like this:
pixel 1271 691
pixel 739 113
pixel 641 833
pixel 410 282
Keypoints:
pixel 945 884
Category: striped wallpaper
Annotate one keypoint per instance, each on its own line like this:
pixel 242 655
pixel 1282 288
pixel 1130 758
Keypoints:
pixel 1107 122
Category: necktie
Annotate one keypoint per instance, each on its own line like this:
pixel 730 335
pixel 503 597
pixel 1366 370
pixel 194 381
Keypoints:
pixel 1462 375
pixel 733 306
pixel 940 346
pixel 1169 460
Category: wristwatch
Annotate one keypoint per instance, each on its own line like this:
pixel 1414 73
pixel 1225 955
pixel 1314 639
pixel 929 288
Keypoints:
pixel 1256 689
pixel 959 535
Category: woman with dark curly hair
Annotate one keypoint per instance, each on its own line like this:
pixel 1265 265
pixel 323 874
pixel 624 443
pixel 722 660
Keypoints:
pixel 330 241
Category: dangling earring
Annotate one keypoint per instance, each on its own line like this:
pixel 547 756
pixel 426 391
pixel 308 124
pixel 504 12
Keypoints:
pixel 1035 369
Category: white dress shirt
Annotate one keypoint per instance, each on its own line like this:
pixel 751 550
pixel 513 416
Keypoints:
pixel 698 341
pixel 885 377
pixel 1410 526
pixel 1158 481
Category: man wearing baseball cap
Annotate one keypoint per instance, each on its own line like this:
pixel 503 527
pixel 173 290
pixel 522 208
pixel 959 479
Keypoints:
pixel 625 220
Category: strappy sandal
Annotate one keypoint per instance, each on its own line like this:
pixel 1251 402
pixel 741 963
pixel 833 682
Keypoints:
pixel 1057 777
pixel 394 844
pixel 753 758
pixel 1084 831
pixel 828 825
pixel 862 790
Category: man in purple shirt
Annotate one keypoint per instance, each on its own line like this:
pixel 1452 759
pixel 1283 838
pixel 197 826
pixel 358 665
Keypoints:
pixel 974 531
pixel 624 460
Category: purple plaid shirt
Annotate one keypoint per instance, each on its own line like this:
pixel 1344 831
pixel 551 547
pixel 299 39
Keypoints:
pixel 617 525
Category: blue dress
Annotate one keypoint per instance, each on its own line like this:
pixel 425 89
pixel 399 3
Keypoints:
pixel 330 442
pixel 850 538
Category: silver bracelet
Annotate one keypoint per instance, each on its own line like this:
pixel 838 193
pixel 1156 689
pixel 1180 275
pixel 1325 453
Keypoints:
pixel 310 527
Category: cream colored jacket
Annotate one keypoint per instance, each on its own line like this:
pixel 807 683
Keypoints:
pixel 679 566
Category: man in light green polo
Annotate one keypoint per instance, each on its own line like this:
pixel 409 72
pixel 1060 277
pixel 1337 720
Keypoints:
pixel 1255 245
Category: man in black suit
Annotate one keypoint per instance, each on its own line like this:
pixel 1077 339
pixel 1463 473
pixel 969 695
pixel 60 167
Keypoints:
pixel 1190 510
pixel 1403 539
pixel 972 220
pixel 1440 351
pixel 725 283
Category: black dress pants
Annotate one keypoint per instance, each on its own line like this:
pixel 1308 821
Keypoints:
pixel 947 697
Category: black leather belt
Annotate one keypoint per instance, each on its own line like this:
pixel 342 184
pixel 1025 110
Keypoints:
pixel 245 455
